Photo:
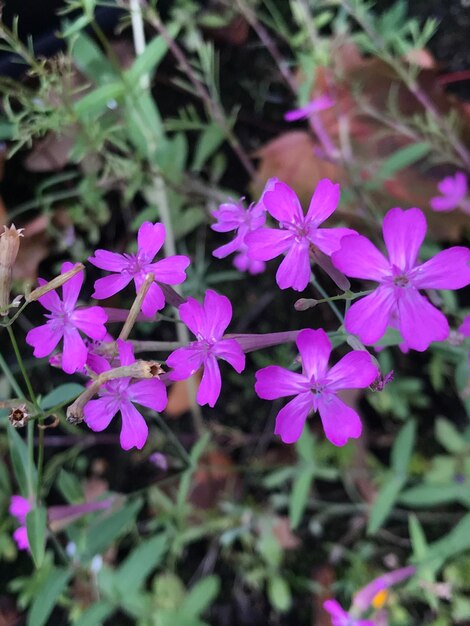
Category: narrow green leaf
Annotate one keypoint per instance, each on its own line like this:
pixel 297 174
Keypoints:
pixel 454 542
pixel 70 487
pixel 102 533
pixel 151 57
pixel 400 159
pixel 95 615
pixel 19 458
pixel 97 100
pixel 36 523
pixel 64 393
pixel 46 597
pixel 418 538
pixel 140 563
pixel 384 503
pixel 299 496
pixel 403 448
pixel 434 495
pixel 91 61
pixel 449 437
pixel 208 142
pixel 279 593
pixel 201 596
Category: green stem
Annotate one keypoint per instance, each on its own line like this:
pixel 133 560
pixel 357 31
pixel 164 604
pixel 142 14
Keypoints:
pixel 327 299
pixel 11 379
pixel 184 456
pixel 32 396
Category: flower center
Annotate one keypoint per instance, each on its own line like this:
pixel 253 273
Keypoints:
pixel 401 281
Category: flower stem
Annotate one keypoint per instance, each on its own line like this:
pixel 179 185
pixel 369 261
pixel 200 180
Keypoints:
pixel 327 299
pixel 182 453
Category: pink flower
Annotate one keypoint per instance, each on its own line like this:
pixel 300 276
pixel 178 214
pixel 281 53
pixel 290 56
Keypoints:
pixel 340 617
pixel 464 328
pixel 233 216
pixel 319 104
pixel 19 508
pixel 127 267
pixel 208 322
pixel 119 395
pixel 297 232
pixel 364 598
pixel 397 301
pixel 454 189
pixel 65 320
pixel 316 387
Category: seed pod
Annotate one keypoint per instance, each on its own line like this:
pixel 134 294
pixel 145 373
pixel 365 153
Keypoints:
pixel 9 246
pixel 19 416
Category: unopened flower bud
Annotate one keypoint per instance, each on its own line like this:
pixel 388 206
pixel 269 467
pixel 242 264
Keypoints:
pixel 9 246
pixel 55 283
pixel 302 304
pixel 19 416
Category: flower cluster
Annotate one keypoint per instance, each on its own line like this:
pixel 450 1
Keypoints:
pixel 397 303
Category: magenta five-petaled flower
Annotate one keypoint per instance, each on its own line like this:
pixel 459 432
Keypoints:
pixel 397 302
pixel 119 395
pixel 64 321
pixel 208 322
pixel 127 267
pixel 233 216
pixel 454 190
pixel 340 617
pixel 19 508
pixel 297 232
pixel 316 388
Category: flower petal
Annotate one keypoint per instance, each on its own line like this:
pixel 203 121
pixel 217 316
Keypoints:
pixel 109 285
pixel 50 300
pixel 19 508
pixel 185 362
pixel 111 261
pixel 324 201
pixel 340 421
pixel 282 203
pixel 211 383
pixel 315 349
pixel 230 350
pixel 134 431
pixel 291 419
pixel 75 352
pixel 150 393
pixel 420 322
pixel 71 289
pixel 369 317
pixel 356 370
pixel 154 300
pixel 44 339
pixel 274 382
pixel 171 270
pixel 295 270
pixel 222 251
pixel 217 313
pixel 449 269
pixel 126 352
pixel 90 321
pixel 404 233
pixel 328 240
pixel 359 258
pixel 193 315
pixel 99 413
pixel 335 610
pixel 267 243
pixel 150 239
pixel 21 538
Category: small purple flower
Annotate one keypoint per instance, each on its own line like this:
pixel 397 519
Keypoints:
pixel 64 321
pixel 208 322
pixel 453 190
pixel 364 600
pixel 297 232
pixel 319 104
pixel 19 508
pixel 119 395
pixel 316 388
pixel 397 301
pixel 233 216
pixel 127 267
